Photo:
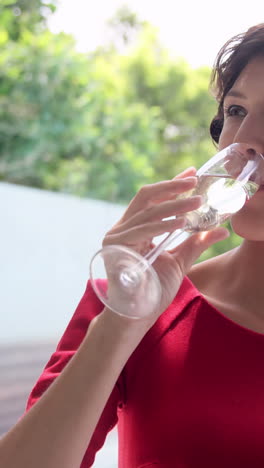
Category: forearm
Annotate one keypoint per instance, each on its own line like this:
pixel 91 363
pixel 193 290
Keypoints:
pixel 56 431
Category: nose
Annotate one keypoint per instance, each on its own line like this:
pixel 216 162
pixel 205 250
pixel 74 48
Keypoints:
pixel 251 132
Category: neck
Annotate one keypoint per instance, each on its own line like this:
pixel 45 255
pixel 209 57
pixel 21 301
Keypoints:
pixel 234 283
pixel 242 275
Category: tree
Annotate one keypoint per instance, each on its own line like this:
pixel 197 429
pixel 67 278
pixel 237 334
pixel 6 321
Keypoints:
pixel 100 125
pixel 24 15
pixel 181 95
pixel 64 122
pixel 125 26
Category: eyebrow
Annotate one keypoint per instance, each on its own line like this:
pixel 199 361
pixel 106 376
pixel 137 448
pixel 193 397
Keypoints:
pixel 235 93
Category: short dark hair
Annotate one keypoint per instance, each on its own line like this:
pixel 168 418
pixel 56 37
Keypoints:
pixel 230 61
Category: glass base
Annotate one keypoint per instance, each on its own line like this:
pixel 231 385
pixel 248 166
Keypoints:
pixel 132 287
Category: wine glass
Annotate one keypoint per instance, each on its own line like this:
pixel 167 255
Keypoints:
pixel 225 182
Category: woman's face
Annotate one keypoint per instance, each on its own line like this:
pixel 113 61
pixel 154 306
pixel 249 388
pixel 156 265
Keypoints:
pixel 244 123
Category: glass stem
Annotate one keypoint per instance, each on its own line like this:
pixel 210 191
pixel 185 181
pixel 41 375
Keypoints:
pixel 179 234
pixel 132 275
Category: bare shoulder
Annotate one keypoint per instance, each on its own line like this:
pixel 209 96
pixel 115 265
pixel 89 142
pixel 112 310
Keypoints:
pixel 204 274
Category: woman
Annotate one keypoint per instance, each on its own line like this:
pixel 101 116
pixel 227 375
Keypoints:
pixel 185 386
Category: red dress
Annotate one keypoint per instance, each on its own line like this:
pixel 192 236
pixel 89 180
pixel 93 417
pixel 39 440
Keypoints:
pixel 190 396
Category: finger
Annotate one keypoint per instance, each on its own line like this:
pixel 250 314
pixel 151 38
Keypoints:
pixel 159 190
pixel 161 211
pixel 144 232
pixel 189 172
pixel 156 193
pixel 191 249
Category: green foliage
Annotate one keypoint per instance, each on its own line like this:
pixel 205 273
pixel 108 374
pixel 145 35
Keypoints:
pixel 18 16
pixel 98 125
pixel 124 24
pixel 181 95
pixel 65 125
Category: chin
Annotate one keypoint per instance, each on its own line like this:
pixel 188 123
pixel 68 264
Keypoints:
pixel 248 222
pixel 248 227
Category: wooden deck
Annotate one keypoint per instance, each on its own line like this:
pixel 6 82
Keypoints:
pixel 20 366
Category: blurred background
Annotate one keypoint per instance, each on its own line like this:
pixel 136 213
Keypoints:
pixel 96 99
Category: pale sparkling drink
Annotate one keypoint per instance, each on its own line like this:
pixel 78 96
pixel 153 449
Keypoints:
pixel 222 196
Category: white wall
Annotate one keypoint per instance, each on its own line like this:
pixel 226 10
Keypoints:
pixel 47 240
pixel 46 243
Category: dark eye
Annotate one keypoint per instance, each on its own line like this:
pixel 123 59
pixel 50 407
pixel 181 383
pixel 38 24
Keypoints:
pixel 235 111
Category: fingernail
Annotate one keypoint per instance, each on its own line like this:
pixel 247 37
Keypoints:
pixel 197 197
pixel 190 178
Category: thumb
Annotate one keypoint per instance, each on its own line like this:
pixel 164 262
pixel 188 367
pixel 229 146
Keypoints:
pixel 191 249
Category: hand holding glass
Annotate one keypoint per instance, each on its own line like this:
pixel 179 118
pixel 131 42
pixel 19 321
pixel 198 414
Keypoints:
pixel 225 183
